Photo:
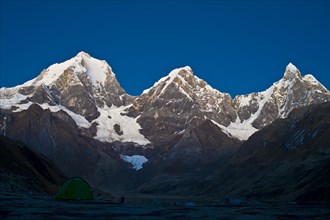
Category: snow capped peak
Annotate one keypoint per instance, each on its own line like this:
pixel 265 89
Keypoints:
pixel 58 84
pixel 291 72
pixel 170 77
pixel 291 67
pixel 292 75
pixel 178 71
pixel 186 68
pixel 83 54
pixel 182 86
pixel 183 79
pixel 96 70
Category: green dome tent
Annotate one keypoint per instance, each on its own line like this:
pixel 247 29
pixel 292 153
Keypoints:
pixel 75 188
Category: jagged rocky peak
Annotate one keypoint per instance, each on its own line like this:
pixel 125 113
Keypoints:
pixel 182 71
pixel 180 80
pixel 175 77
pixel 294 81
pixel 291 72
pixel 293 77
pixel 183 74
pixel 175 101
pixel 290 92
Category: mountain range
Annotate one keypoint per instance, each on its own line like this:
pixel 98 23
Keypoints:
pixel 178 132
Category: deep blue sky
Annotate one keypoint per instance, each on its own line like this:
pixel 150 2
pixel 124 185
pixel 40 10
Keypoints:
pixel 236 46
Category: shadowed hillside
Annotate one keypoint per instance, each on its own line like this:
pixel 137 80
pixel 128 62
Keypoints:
pixel 25 172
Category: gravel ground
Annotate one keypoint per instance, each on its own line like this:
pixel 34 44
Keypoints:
pixel 20 207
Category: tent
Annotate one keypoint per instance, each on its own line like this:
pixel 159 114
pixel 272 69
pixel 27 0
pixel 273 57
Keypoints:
pixel 75 188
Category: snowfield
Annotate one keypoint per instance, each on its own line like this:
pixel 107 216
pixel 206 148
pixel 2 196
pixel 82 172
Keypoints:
pixel 136 160
pixel 128 126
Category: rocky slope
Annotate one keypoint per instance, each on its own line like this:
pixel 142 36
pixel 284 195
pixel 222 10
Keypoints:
pixel 288 160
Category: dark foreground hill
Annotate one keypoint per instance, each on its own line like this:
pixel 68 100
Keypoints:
pixel 25 172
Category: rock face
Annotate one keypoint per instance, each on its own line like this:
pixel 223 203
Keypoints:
pixel 77 111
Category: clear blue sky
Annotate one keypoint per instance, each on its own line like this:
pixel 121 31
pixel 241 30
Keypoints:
pixel 236 46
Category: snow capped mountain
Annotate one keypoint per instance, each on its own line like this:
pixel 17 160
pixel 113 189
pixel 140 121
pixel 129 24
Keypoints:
pixel 96 70
pixel 80 84
pixel 177 101
pixel 77 111
pixel 300 91
pixel 182 95
pixel 181 84
pixel 85 88
pixel 257 110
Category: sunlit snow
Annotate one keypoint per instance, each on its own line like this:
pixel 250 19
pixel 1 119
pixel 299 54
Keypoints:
pixel 82 63
pixel 95 68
